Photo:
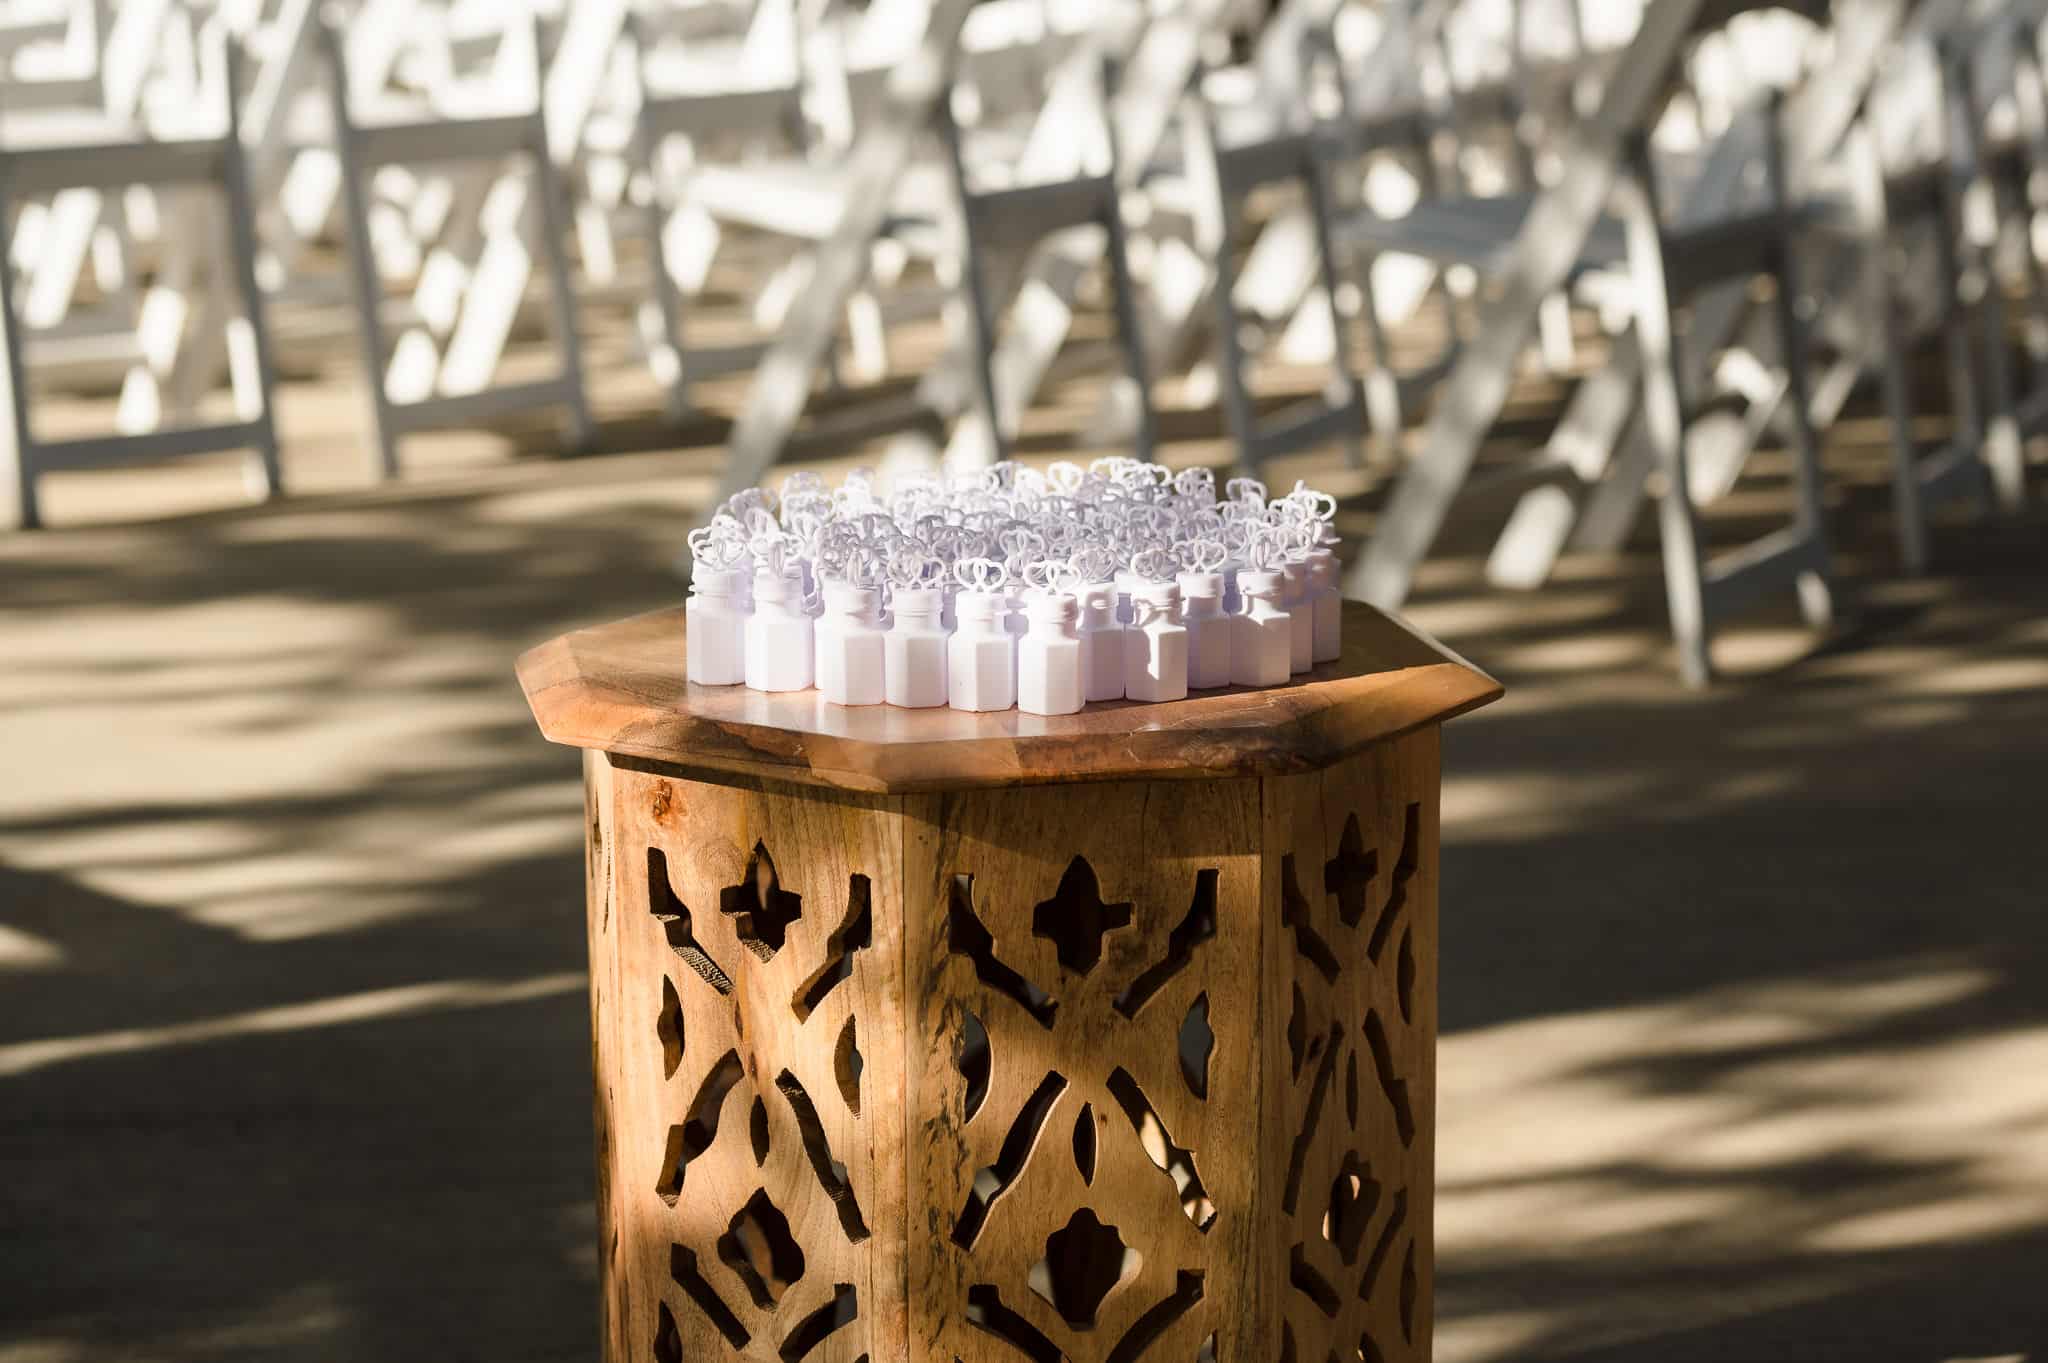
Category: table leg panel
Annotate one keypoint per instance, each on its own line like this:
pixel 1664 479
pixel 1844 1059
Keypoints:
pixel 1083 960
pixel 751 1057
pixel 1350 1064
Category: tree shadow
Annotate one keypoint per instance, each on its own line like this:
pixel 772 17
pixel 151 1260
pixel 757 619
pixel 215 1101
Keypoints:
pixel 1738 989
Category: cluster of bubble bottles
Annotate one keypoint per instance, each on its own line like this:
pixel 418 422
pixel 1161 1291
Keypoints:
pixel 1011 587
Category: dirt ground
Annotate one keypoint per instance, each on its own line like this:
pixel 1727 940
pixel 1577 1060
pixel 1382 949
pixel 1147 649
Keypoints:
pixel 1745 1047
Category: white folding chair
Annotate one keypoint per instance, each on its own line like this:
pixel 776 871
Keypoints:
pixel 419 383
pixel 1156 62
pixel 1231 172
pixel 1661 261
pixel 1668 267
pixel 1011 222
pixel 187 163
pixel 1602 438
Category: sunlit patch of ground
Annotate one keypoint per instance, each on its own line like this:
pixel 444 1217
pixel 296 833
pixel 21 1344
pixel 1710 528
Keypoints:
pixel 1745 1015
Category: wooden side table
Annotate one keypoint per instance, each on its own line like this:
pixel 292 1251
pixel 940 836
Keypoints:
pixel 923 1036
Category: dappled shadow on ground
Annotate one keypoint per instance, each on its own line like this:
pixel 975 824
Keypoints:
pixel 1746 1044
pixel 295 1051
pixel 1746 1033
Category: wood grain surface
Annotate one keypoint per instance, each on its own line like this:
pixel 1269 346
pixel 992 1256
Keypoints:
pixel 748 991
pixel 1146 1041
pixel 1130 1072
pixel 1348 1053
pixel 620 688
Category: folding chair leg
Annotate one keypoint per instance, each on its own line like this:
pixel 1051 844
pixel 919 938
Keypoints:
pixel 242 235
pixel 362 259
pixel 17 448
pixel 980 309
pixel 553 227
pixel 1237 403
pixel 2002 452
pixel 2030 101
pixel 1973 217
pixel 1966 420
pixel 1816 596
pixel 1382 384
pixel 1908 506
pixel 1663 420
pixel 1124 291
pixel 663 339
pixel 1318 190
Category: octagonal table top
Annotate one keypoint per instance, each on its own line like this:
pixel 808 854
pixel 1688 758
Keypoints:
pixel 620 688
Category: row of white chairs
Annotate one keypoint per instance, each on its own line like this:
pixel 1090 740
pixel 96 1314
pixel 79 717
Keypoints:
pixel 457 149
pixel 1516 163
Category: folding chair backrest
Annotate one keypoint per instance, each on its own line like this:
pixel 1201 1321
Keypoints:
pixel 1013 221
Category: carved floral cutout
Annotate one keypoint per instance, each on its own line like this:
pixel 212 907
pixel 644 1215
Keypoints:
pixel 757 1280
pixel 759 1249
pixel 835 1314
pixel 668 1026
pixel 1348 875
pixel 1198 927
pixel 674 917
pixel 1085 1261
pixel 1075 918
pixel 995 1180
pixel 856 932
pixel 760 908
pixel 1354 1254
pixel 1197 1044
pixel 967 935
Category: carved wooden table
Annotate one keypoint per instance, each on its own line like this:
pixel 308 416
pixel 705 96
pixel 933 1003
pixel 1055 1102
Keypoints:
pixel 923 1036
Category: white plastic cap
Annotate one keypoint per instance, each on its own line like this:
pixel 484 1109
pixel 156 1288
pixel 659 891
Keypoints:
pixel 849 599
pixel 1056 608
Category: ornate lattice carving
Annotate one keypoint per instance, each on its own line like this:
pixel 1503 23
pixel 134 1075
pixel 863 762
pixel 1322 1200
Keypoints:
pixel 1096 1022
pixel 1113 1074
pixel 761 922
pixel 1353 1090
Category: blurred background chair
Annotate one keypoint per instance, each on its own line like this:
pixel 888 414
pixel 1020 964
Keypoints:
pixel 1342 225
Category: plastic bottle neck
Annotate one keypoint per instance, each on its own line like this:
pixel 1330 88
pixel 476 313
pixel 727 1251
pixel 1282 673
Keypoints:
pixel 1155 604
pixel 1260 588
pixel 862 605
pixel 1053 614
pixel 1201 595
pixel 1098 606
pixel 779 593
pixel 980 612
pixel 918 607
pixel 715 584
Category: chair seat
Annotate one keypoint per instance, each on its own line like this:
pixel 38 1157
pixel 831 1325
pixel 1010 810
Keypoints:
pixel 792 197
pixel 113 163
pixel 1476 232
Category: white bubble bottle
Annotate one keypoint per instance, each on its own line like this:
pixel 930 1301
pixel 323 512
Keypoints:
pixel 1049 654
pixel 850 644
pixel 914 661
pixel 1326 603
pixel 1201 613
pixel 1323 601
pixel 1156 644
pixel 1262 632
pixel 779 632
pixel 1101 633
pixel 1301 620
pixel 715 617
pixel 981 657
